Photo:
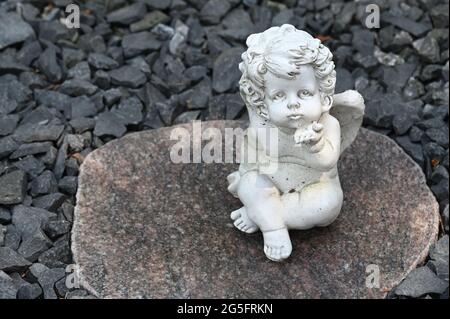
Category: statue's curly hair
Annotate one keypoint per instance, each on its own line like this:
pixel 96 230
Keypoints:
pixel 281 51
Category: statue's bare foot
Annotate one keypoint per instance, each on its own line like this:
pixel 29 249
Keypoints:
pixel 242 222
pixel 277 244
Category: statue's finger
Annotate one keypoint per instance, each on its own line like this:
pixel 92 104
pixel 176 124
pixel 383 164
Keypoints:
pixel 317 127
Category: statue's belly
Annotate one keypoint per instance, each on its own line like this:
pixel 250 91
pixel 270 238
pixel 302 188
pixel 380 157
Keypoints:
pixel 288 176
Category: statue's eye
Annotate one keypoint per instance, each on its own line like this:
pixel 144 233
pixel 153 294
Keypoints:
pixel 304 93
pixel 278 96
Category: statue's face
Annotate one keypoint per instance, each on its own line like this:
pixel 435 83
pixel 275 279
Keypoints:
pixel 293 103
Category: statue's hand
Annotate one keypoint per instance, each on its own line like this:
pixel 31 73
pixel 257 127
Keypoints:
pixel 311 137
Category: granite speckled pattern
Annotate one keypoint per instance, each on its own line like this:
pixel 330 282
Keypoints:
pixel 147 228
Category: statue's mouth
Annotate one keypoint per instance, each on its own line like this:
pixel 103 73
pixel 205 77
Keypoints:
pixel 295 116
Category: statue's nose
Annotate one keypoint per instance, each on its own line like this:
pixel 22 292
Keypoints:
pixel 293 105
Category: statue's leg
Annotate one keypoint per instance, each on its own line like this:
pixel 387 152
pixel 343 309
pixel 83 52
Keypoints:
pixel 263 209
pixel 318 204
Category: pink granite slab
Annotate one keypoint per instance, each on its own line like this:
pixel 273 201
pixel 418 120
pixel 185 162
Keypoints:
pixel 147 228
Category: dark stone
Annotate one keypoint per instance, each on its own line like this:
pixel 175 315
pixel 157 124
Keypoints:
pixel 213 11
pixel 198 96
pixel 13 187
pixel 58 256
pixel 34 245
pixel 129 111
pixel 48 64
pixel 50 202
pixel 102 62
pixel 415 134
pixel 7 288
pixel 151 20
pixel 68 185
pixel 44 184
pixel 107 123
pixel 29 220
pixel 11 261
pixel 128 76
pixel 29 53
pixel 363 41
pixel 77 87
pixel 11 35
pixel 112 96
pixel 439 258
pixel 196 73
pixel 5 216
pixel 415 28
pixel 428 48
pixel 440 190
pixel 187 117
pixel 128 14
pixel 31 149
pixel 33 80
pixel 8 124
pixel 226 72
pixel 82 124
pixel 56 228
pixel 438 135
pixel 32 291
pixel 344 80
pixel 30 165
pixel 47 278
pixel 12 90
pixel 53 99
pixel 39 132
pixel 210 260
pixel 412 149
pixel 419 282
pixel 7 146
pixel 82 106
pixel 80 71
pixel 139 43
pixel 402 123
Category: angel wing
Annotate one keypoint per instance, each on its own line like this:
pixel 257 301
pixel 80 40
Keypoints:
pixel 348 108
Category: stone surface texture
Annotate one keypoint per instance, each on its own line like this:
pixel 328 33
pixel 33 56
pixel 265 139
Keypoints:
pixel 147 228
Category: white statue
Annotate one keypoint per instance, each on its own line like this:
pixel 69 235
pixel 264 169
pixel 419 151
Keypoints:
pixel 287 83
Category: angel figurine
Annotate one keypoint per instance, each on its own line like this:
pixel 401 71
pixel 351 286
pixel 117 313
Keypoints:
pixel 288 81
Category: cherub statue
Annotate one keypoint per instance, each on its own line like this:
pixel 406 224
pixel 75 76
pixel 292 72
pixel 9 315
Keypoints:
pixel 287 83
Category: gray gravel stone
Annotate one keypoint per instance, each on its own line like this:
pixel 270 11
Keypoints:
pixel 152 19
pixel 107 123
pixel 34 245
pixel 440 257
pixel 214 10
pixel 12 35
pixel 13 187
pixel 31 132
pixel 48 64
pixel 11 261
pixel 7 146
pixel 129 111
pixel 226 72
pixel 44 184
pixel 128 14
pixel 7 288
pixel 8 123
pixel 428 48
pixel 31 149
pixel 138 43
pixel 30 165
pixel 128 76
pixel 102 62
pixel 50 202
pixel 419 282
pixel 5 215
pixel 29 220
pixel 32 291
pixel 77 87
